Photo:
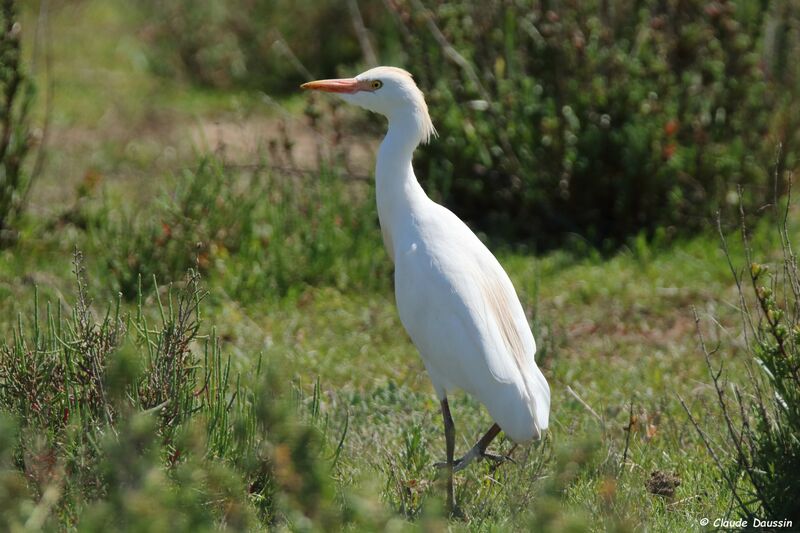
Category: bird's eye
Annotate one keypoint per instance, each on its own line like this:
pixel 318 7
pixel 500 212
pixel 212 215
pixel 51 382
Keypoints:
pixel 377 84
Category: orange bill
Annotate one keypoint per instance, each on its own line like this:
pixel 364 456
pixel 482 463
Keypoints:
pixel 344 85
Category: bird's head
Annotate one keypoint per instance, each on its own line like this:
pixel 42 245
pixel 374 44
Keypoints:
pixel 390 91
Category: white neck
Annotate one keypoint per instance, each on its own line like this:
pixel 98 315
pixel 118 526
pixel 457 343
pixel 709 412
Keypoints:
pixel 397 189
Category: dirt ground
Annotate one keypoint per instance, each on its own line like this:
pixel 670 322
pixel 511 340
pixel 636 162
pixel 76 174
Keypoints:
pixel 133 160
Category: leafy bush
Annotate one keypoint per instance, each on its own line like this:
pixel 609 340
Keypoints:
pixel 129 423
pixel 16 97
pixel 761 454
pixel 262 44
pixel 602 118
pixel 259 233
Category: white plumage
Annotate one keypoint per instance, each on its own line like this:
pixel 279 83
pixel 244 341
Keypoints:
pixel 454 299
pixel 463 315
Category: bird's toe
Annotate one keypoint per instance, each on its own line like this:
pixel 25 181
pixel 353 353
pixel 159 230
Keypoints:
pixel 465 461
pixel 445 464
pixel 473 455
pixel 497 458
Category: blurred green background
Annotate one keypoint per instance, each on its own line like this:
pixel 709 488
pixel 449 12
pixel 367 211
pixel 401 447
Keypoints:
pixel 590 144
pixel 601 118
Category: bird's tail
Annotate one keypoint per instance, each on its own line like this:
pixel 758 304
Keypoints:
pixel 539 392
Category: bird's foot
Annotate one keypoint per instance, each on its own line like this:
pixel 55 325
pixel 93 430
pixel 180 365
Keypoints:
pixel 498 459
pixel 472 455
pixel 461 463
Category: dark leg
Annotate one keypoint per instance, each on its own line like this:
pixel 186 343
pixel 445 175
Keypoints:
pixel 488 438
pixel 450 440
pixel 479 452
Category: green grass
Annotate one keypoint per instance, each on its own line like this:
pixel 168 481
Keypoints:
pixel 327 415
pixel 617 332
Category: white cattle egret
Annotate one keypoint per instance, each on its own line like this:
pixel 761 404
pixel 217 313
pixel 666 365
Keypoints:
pixel 454 299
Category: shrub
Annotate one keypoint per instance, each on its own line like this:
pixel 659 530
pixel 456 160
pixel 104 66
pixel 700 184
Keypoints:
pixel 259 233
pixel 16 98
pixel 138 422
pixel 760 456
pixel 600 118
